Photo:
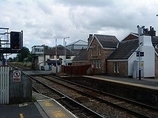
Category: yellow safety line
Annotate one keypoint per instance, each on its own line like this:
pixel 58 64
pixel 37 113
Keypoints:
pixel 21 115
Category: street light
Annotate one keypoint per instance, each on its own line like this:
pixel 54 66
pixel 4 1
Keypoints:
pixel 140 44
pixel 64 60
pixel 56 55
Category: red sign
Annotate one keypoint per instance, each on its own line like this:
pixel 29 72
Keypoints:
pixel 16 76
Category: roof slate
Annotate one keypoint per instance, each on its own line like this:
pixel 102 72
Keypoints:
pixel 82 56
pixel 60 51
pixel 107 41
pixel 154 40
pixel 125 49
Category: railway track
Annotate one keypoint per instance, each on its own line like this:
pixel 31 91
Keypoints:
pixel 19 67
pixel 132 108
pixel 135 109
pixel 75 107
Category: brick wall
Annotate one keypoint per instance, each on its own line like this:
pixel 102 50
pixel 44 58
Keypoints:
pixel 95 55
pixel 156 66
pixel 79 63
pixel 123 68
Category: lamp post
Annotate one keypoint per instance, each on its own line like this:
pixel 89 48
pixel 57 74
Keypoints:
pixel 140 43
pixel 56 55
pixel 65 50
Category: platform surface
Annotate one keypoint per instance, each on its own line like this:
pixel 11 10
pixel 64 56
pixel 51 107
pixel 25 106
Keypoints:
pixel 150 83
pixel 44 107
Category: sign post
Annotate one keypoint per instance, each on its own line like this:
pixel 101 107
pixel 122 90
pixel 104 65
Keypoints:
pixel 16 76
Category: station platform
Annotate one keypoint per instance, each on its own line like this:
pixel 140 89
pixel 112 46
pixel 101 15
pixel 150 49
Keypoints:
pixel 150 83
pixel 44 107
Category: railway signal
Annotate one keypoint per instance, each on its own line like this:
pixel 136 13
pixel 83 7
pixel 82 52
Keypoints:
pixel 16 40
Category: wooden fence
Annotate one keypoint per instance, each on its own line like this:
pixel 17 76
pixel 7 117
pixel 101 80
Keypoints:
pixel 4 84
pixel 75 70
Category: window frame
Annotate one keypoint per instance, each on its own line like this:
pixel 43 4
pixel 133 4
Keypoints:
pixel 116 67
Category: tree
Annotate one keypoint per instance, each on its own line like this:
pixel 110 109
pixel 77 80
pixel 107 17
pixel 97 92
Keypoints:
pixel 24 55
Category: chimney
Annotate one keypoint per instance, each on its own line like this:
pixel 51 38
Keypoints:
pixel 90 38
pixel 152 32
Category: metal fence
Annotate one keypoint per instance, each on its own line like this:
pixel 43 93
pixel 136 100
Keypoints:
pixel 4 84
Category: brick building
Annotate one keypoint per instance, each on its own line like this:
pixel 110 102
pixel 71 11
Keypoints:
pixel 99 48
pixel 124 60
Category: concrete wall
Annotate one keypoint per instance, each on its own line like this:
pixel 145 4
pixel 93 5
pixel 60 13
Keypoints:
pixel 20 91
pixel 131 60
pixel 148 59
pixel 149 56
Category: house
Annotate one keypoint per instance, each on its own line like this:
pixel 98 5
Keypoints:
pixel 80 58
pixel 37 57
pixel 43 57
pixel 99 48
pixel 126 60
pixel 76 46
pixel 118 62
pixel 60 52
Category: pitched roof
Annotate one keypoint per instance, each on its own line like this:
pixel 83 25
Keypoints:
pixel 82 56
pixel 60 51
pixel 107 41
pixel 131 36
pixel 125 49
pixel 80 42
pixel 154 40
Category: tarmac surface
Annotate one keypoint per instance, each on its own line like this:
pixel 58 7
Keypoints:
pixel 27 110
pixel 44 107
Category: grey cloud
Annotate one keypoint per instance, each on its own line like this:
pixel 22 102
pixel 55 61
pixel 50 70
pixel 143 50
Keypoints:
pixel 50 19
pixel 96 3
pixel 43 5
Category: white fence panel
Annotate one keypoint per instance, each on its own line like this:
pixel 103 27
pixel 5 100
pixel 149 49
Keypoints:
pixel 4 84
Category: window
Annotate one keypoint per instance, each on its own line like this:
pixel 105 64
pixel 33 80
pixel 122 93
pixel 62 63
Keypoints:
pixel 91 51
pixel 97 63
pixel 116 67
pixel 99 50
pixel 68 57
pixel 57 56
pixel 52 56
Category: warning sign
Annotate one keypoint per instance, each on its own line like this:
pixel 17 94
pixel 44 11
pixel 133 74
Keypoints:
pixel 16 76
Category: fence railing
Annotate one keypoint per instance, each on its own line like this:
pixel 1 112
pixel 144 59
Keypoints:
pixel 4 84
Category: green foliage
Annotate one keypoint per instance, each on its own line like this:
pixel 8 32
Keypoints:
pixel 24 56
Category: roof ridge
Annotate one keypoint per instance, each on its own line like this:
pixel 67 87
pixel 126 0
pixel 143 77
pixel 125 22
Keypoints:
pixel 104 35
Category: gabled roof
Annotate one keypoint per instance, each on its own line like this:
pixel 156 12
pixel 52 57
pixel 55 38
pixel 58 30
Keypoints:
pixel 154 40
pixel 82 56
pixel 105 41
pixel 131 36
pixel 125 49
pixel 60 51
pixel 79 42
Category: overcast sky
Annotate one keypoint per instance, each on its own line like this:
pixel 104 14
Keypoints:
pixel 43 21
